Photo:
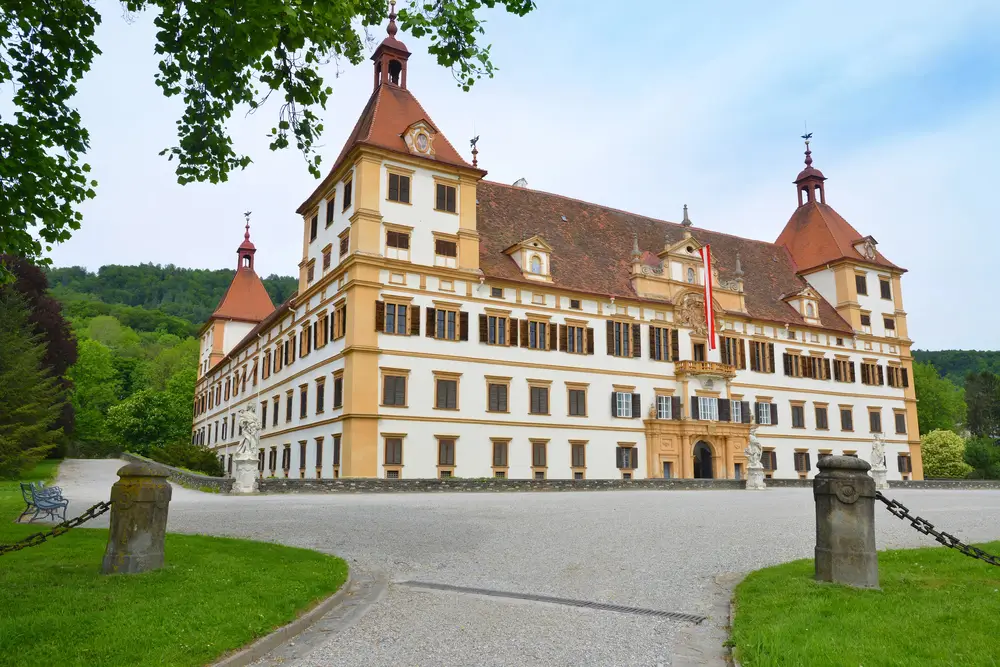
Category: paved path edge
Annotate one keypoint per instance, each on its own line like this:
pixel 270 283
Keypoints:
pixel 269 642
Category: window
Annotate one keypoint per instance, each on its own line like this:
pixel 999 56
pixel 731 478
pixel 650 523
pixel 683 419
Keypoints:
pixel 313 228
pixel 577 402
pixel 445 253
pixel 286 458
pixel 900 418
pixel 394 390
pixel 288 407
pixel 761 356
pixel 843 370
pixel 497 394
pixel 732 351
pixel 339 320
pixel 798 416
pixel 302 458
pixel 446 393
pixel 538 335
pixel 311 272
pixel 320 395
pixel 535 264
pixel 802 462
pixel 277 406
pixel 395 321
pixel 303 401
pixel 329 211
pixel 866 322
pixel 397 245
pixel 885 288
pixel 399 188
pixel 664 407
pixel 623 339
pixel 318 456
pixel 766 414
pixel 539 403
pixel 890 326
pixel 897 377
pixel 345 243
pixel 445 198
pixel 708 408
pixel 578 455
pixel 446 452
pixel 846 419
pixel 736 412
pixel 574 304
pixel 662 343
pixel 338 390
pixel 698 351
pixel 347 194
pixel 793 364
pixel 810 310
pixel 500 453
pixel 821 418
pixel 769 460
pixel 494 329
pixel 904 464
pixel 626 458
pixel 538 454
pixel 576 339
pixel 871 374
pixel 447 324
pixel 336 454
pixel 326 259
pixel 393 451
pixel 874 420
pixel 496 292
pixel 861 283
pixel 625 404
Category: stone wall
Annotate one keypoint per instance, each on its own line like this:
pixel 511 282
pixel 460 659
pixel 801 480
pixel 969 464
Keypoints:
pixel 185 478
pixel 949 484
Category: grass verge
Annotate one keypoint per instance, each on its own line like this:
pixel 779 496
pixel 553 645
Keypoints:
pixel 935 607
pixel 215 595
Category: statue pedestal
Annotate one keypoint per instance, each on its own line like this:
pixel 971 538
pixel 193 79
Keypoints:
pixel 755 478
pixel 244 475
pixel 879 475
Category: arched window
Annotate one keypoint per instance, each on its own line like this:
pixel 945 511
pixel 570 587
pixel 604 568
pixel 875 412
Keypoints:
pixel 810 311
pixel 536 264
pixel 691 275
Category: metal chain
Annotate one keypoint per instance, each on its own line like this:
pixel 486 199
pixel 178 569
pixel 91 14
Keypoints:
pixel 57 530
pixel 924 526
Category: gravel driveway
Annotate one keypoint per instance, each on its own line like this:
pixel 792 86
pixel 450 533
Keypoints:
pixel 656 550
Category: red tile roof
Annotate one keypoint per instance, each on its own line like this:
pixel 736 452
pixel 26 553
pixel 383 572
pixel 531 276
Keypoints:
pixel 816 235
pixel 592 250
pixel 246 299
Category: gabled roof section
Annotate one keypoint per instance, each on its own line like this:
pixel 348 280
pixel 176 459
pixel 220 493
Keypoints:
pixel 535 242
pixel 816 235
pixel 592 250
pixel 246 299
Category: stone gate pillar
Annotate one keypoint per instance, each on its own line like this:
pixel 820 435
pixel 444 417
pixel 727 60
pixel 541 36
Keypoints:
pixel 845 522
pixel 139 502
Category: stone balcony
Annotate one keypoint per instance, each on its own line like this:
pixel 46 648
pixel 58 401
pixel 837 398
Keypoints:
pixel 708 368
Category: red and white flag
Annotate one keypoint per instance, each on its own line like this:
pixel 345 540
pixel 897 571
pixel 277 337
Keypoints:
pixel 706 260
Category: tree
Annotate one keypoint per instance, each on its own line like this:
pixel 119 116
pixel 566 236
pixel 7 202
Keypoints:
pixel 943 455
pixel 983 455
pixel 30 399
pixel 216 56
pixel 940 404
pixel 982 393
pixel 153 419
pixel 95 390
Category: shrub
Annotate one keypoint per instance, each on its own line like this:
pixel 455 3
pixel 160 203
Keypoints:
pixel 943 454
pixel 983 454
pixel 188 456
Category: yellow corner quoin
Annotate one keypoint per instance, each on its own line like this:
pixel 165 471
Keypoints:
pixel 516 291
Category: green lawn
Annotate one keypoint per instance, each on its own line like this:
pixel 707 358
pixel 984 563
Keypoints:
pixel 935 607
pixel 214 596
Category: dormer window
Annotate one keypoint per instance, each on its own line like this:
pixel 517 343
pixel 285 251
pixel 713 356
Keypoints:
pixel 536 264
pixel 533 257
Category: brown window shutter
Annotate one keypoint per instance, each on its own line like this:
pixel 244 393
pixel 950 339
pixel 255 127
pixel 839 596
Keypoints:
pixel 906 377
pixel 745 411
pixel 753 356
pixel 379 316
pixel 652 342
pixel 414 320
pixel 431 323
pixel 694 407
pixel 853 376
pixel 524 333
pixel 590 340
pixel 636 406
pixel 611 337
pixel 553 337
pixel 614 404
pixel 482 328
pixel 826 369
pixel 788 363
pixel 513 328
pixel 463 326
pixel 881 376
pixel 743 354
pixel 770 357
pixel 725 410
pixel 774 413
pixel 675 345
pixel 563 342
pixel 675 407
pixel 636 340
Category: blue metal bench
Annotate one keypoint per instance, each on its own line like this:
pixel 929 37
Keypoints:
pixel 43 503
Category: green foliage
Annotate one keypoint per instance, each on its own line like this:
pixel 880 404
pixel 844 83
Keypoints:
pixel 940 404
pixel 95 390
pixel 983 455
pixel 216 57
pixel 30 399
pixel 943 454
pixel 190 457
pixel 162 292
pixel 982 392
pixel 956 364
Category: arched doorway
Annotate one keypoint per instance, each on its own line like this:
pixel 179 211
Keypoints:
pixel 702 461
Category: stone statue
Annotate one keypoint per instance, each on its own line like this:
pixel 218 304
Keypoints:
pixel 754 452
pixel 878 471
pixel 245 458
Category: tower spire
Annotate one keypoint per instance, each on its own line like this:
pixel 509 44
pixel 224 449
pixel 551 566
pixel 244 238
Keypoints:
pixel 686 222
pixel 809 182
pixel 247 249
pixel 391 55
pixel 392 19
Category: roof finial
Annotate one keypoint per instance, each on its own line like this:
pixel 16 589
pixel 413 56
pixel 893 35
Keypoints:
pixel 686 222
pixel 246 234
pixel 635 247
pixel 475 151
pixel 739 266
pixel 807 136
pixel 392 19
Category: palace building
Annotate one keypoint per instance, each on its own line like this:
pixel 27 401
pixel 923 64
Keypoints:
pixel 448 325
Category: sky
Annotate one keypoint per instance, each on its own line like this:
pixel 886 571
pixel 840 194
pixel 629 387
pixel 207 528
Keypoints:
pixel 640 106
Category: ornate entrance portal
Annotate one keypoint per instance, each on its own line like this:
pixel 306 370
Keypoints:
pixel 702 461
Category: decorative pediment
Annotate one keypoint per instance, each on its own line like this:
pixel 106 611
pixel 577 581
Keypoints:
pixel 419 138
pixel 534 257
pixel 687 247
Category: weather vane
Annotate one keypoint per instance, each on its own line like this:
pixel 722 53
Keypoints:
pixel 475 151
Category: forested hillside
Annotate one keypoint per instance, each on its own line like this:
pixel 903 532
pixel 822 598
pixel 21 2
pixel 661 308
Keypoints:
pixel 956 364
pixel 168 291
